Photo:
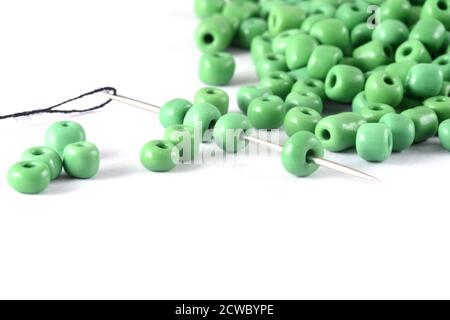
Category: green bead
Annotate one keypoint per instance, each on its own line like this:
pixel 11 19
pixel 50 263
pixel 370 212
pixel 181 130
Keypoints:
pixel 304 99
pixel 425 121
pixel 412 50
pixel 298 50
pixel 343 83
pixel 391 32
pixel 173 112
pixel 431 32
pixel 249 93
pixel 395 9
pixel 278 82
pixel 332 32
pixel 361 34
pixel 311 20
pixel 372 54
pixel 202 117
pixel 298 151
pixel 374 142
pixel 249 30
pixel 215 96
pixel 439 9
pixel 424 80
pixel 322 59
pixel 338 132
pixel 229 130
pixel 280 41
pixel 440 105
pixel 207 8
pixel 401 69
pixel 63 133
pixel 81 160
pixel 373 112
pixel 444 134
pixel 384 87
pixel 359 102
pixel 216 69
pixel 270 62
pixel 260 47
pixel 352 13
pixel 310 85
pixel 46 155
pixel 266 112
pixel 301 119
pixel 29 177
pixel 402 128
pixel 214 34
pixel 285 17
pixel 159 156
pixel 185 139
pixel 443 62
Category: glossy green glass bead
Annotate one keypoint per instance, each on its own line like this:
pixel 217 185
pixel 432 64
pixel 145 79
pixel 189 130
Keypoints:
pixel 401 69
pixel 384 87
pixel 298 50
pixel 216 69
pixel 402 128
pixel 300 74
pixel 29 177
pixel 444 134
pixel 185 139
pixel 391 32
pixel 269 63
pixel 424 80
pixel 215 96
pixel 297 152
pixel 81 160
pixel 229 130
pixel 63 133
pixel 173 112
pixel 266 112
pixel 310 85
pixel 322 59
pixel 372 54
pixel 278 82
pixel 395 9
pixel 46 155
pixel 207 8
pixel 443 62
pixel 332 32
pixel 247 94
pixel 202 117
pixel 352 14
pixel 338 132
pixel 285 17
pixel 260 47
pixel 301 119
pixel 431 32
pixel 359 102
pixel 311 20
pixel 440 105
pixel 374 142
pixel 361 34
pixel 159 156
pixel 439 9
pixel 412 50
pixel 249 30
pixel 214 34
pixel 373 112
pixel 280 41
pixel 343 83
pixel 304 99
pixel 425 121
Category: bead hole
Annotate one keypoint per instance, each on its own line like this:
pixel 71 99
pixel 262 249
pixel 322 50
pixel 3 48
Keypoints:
pixel 212 124
pixel 326 135
pixel 162 145
pixel 333 80
pixel 388 51
pixel 310 155
pixel 310 83
pixel 407 51
pixel 211 91
pixel 208 38
pixel 354 8
pixel 375 107
pixel 276 76
pixel 37 152
pixel 388 80
pixel 442 5
pixel 64 124
pixel 28 166
pixel 307 112
pixel 443 61
pixel 80 145
pixel 265 99
pixel 272 57
pixel 440 99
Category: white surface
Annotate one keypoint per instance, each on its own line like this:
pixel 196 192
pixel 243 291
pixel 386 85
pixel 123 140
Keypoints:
pixel 242 228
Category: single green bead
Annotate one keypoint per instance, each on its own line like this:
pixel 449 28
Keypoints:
pixel 298 50
pixel 81 160
pixel 311 20
pixel 443 62
pixel 361 34
pixel 214 34
pixel 173 112
pixel 304 99
pixel 424 80
pixel 269 63
pixel 159 156
pixel 444 134
pixel 280 41
pixel 332 32
pixel 202 117
pixel 279 83
pixel 215 96
pixel 300 74
pixel 29 177
pixel 207 8
pixel 185 139
pixel 402 128
pixel 266 112
pixel 401 69
pixel 229 130
pixel 440 105
pixel 391 32
pixel 249 30
pixel 445 91
pixel 63 133
pixel 301 119
pixel 359 102
pixel 425 121
pixel 298 151
pixel 216 69
pixel 374 142
pixel 372 54
pixel 322 59
pixel 395 9
pixel 285 17
pixel 431 32
pixel 384 87
pixel 373 112
pixel 343 83
pixel 352 14
pixel 46 155
pixel 310 85
pixel 260 47
pixel 338 132
pixel 247 94
pixel 439 9
pixel 412 50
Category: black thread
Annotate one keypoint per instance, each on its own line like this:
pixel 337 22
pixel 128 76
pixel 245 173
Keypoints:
pixel 51 109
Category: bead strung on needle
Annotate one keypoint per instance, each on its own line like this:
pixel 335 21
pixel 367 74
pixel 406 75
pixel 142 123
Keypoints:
pixel 133 102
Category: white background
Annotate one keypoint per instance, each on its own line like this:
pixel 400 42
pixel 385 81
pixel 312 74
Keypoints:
pixel 242 228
